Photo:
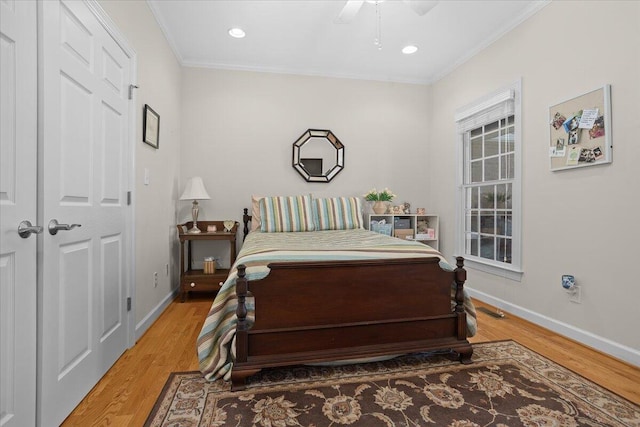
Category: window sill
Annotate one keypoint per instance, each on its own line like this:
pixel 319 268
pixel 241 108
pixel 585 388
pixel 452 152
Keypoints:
pixel 498 270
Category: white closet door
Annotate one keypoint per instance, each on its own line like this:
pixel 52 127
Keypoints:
pixel 85 172
pixel 18 179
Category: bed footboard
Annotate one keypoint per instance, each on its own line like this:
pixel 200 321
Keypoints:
pixel 325 311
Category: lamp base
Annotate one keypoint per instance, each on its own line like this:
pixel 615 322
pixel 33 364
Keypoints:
pixel 194 215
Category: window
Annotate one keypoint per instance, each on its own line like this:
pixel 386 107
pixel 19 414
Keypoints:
pixel 488 231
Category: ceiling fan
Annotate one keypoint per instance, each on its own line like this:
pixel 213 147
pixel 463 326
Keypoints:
pixel 352 7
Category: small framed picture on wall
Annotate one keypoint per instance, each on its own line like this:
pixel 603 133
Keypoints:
pixel 151 127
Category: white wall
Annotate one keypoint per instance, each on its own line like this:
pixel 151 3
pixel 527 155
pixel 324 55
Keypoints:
pixel 239 127
pixel 581 221
pixel 159 76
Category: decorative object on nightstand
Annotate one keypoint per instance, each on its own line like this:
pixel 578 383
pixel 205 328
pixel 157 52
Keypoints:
pixel 209 265
pixel 228 225
pixel 194 190
pixel 380 199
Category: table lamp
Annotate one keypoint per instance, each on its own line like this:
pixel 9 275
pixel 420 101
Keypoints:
pixel 194 190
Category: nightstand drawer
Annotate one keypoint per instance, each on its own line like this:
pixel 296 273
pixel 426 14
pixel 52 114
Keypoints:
pixel 199 285
pixel 197 281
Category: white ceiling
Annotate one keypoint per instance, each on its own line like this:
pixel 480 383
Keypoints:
pixel 302 36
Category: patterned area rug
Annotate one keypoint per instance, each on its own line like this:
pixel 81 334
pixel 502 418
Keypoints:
pixel 506 385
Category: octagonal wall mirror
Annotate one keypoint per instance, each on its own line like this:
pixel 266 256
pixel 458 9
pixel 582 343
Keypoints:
pixel 318 155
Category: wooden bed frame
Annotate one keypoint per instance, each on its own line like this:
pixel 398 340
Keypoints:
pixel 326 311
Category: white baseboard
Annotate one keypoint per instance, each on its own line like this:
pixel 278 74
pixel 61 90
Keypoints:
pixel 604 345
pixel 153 315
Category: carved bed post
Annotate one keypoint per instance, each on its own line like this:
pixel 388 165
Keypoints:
pixel 461 277
pixel 241 313
pixel 240 373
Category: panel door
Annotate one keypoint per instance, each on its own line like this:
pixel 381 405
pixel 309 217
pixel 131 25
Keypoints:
pixel 18 145
pixel 84 150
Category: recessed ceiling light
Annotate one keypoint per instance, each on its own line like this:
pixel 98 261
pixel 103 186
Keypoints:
pixel 408 50
pixel 237 33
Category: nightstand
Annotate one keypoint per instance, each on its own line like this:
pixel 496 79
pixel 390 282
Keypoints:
pixel 195 280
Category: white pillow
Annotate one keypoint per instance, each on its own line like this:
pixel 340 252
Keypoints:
pixel 255 212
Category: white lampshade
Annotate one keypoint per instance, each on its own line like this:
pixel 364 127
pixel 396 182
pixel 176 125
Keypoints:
pixel 194 190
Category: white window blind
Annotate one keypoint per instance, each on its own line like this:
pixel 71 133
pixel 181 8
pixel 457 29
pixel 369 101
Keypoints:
pixel 496 106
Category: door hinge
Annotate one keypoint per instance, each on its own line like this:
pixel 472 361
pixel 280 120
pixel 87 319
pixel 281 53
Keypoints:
pixel 131 88
pixel 128 198
pixel 128 303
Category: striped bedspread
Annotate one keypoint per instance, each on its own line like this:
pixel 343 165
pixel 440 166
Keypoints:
pixel 216 342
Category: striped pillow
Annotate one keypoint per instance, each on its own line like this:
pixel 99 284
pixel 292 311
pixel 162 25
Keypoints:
pixel 286 213
pixel 338 213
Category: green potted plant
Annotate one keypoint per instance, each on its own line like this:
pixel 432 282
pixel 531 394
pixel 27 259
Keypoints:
pixel 380 199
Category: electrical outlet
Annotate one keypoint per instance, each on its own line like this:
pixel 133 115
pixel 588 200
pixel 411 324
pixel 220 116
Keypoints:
pixel 576 295
pixel 155 279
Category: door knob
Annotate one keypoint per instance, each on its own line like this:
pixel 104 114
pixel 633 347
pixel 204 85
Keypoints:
pixel 54 227
pixel 25 229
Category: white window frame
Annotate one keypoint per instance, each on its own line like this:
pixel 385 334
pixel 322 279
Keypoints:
pixel 488 109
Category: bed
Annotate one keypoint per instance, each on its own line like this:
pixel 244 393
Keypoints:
pixel 332 294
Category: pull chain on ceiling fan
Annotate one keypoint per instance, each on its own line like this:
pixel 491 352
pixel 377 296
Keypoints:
pixel 378 38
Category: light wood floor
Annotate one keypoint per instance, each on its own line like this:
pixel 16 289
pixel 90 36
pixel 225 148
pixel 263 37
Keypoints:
pixel 126 394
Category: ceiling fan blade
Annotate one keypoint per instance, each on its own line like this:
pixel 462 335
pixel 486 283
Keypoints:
pixel 349 11
pixel 421 7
